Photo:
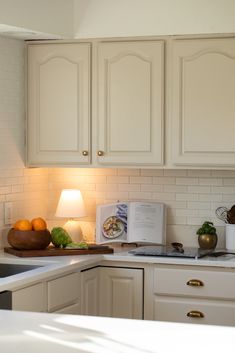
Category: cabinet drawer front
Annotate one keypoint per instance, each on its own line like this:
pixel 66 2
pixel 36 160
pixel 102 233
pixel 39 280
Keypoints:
pixel 178 309
pixel 63 291
pixel 194 283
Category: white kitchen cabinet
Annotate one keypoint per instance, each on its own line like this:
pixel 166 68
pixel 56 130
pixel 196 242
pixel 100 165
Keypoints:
pixel 130 103
pixel 90 291
pixel 63 294
pixel 121 292
pixel 74 309
pixel 31 298
pixel 202 108
pixel 193 295
pixel 58 116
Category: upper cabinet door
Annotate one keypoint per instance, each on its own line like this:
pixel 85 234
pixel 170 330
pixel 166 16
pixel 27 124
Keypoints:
pixel 203 102
pixel 130 103
pixel 58 104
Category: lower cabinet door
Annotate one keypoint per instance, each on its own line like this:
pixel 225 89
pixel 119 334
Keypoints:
pixel 31 298
pixel 63 292
pixel 90 291
pixel 121 292
pixel 194 311
pixel 72 309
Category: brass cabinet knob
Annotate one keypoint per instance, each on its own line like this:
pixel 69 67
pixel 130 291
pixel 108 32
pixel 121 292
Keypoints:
pixel 195 314
pixel 195 283
pixel 85 153
pixel 100 153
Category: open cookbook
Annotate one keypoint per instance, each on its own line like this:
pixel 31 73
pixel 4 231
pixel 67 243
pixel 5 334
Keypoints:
pixel 131 222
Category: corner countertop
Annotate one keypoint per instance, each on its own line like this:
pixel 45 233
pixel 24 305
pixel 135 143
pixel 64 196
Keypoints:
pixel 54 333
pixel 59 265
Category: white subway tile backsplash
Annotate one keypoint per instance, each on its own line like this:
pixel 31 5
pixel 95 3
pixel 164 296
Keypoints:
pixel 151 187
pixel 129 187
pixel 187 197
pixel 229 198
pixel 210 181
pixel 199 205
pixel 164 180
pixel 229 181
pixel 140 196
pixel 223 190
pixel 199 173
pixel 5 190
pixel 117 196
pixel 163 196
pixel 175 172
pixel 196 220
pixel 223 173
pixel 175 188
pixel 128 172
pixel 186 212
pixel 199 189
pixel 176 204
pixel 107 187
pixel 151 172
pixel 141 180
pixel 210 197
pixel 117 179
pixel 186 181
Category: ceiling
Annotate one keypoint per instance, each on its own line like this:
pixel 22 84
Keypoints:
pixel 24 33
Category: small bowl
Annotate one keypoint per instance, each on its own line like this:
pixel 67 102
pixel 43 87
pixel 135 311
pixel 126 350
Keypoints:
pixel 29 239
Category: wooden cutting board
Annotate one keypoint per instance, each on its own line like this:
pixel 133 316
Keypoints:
pixel 52 251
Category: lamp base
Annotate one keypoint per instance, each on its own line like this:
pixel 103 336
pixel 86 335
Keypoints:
pixel 74 230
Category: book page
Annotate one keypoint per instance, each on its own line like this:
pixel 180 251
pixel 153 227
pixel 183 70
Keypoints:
pixel 146 222
pixel 111 223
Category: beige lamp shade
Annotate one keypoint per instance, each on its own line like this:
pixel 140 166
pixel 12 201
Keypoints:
pixel 70 204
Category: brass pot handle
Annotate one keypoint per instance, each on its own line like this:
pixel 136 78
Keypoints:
pixel 195 314
pixel 85 153
pixel 195 283
pixel 100 153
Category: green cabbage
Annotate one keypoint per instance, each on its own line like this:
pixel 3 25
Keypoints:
pixel 81 245
pixel 60 237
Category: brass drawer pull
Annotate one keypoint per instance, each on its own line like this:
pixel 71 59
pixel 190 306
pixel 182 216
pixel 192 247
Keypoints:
pixel 85 153
pixel 195 314
pixel 195 283
pixel 100 153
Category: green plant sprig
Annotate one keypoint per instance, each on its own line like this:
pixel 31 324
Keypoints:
pixel 207 228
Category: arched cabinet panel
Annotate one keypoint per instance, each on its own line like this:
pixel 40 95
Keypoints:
pixel 130 102
pixel 58 104
pixel 202 102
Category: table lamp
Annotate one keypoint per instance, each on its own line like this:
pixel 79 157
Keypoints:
pixel 71 206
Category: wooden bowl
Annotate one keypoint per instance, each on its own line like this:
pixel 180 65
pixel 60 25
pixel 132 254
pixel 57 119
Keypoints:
pixel 29 239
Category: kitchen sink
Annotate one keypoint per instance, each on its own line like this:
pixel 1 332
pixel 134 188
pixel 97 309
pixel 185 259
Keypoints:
pixel 7 270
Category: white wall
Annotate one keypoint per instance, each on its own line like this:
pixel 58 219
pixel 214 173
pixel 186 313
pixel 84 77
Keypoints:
pixel 25 188
pixel 48 16
pixel 111 18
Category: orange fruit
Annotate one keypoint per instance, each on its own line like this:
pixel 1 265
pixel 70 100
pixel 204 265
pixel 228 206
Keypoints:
pixel 23 224
pixel 38 224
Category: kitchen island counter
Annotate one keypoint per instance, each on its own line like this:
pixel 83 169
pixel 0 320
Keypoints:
pixel 40 332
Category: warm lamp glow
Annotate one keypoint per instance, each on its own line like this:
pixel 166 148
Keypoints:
pixel 71 206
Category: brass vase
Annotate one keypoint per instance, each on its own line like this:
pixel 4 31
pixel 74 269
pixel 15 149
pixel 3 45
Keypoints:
pixel 207 241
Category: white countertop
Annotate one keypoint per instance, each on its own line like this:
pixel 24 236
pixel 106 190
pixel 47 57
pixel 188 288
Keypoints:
pixel 23 332
pixel 56 265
